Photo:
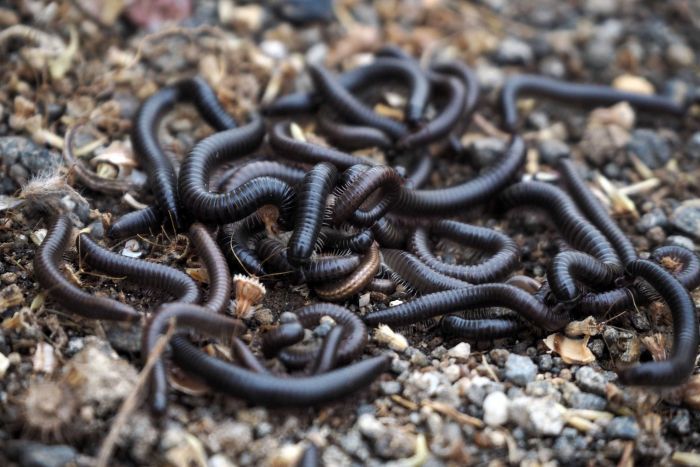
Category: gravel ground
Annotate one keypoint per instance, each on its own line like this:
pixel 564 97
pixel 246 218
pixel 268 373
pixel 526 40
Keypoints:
pixel 506 402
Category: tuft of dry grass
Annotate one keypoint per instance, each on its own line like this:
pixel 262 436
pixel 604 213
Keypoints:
pixel 50 191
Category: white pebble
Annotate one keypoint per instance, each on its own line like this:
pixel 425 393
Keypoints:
pixel 460 351
pixel 4 364
pixel 496 409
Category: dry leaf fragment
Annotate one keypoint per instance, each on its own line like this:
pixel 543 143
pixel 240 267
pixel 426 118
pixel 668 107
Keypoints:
pixel 4 364
pixel 386 335
pixel 586 327
pixel 198 274
pixel 297 132
pixel 656 345
pixel 188 453
pixel 10 296
pixel 691 459
pixel 249 291
pixel 44 360
pixel 572 351
pixel 691 392
pixel 632 83
pixel 118 154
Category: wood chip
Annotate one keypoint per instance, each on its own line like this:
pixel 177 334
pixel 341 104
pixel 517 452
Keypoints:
pixel 453 413
pixel 686 458
pixel 403 402
pixel 572 351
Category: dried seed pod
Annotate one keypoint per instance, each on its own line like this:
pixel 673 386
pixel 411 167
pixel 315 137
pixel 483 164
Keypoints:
pixel 249 291
pixel 572 351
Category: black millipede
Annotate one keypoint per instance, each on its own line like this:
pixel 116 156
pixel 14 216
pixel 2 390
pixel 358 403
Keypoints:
pixel 588 95
pixel 359 189
pixel 234 241
pixel 273 391
pixel 417 275
pixel 383 67
pixel 457 198
pixel 455 95
pixel 385 286
pixel 354 334
pixel 470 80
pixel 221 208
pixel 245 357
pixel 687 271
pixel 159 168
pixel 328 268
pixel 242 174
pixel 479 329
pixel 145 273
pixel 321 268
pixel 570 267
pixel 417 82
pixel 358 242
pixel 273 255
pixel 311 204
pixel 349 107
pixel 327 357
pixel 347 287
pixel 379 70
pixel 504 260
pixel 144 220
pixel 678 367
pixel 284 335
pixel 570 222
pixel 420 170
pixel 185 315
pixel 468 77
pixel 595 211
pixel 351 137
pixel 47 261
pixel 219 294
pixel 476 296
pixel 286 147
pixel 387 234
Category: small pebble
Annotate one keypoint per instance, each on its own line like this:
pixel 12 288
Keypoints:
pixel 680 55
pixel 655 218
pixel 485 151
pixel 692 148
pixel 587 401
pixel 680 423
pixel 542 388
pixel 650 148
pixel 679 240
pixel 623 428
pixel 539 417
pixel 460 352
pixel 550 150
pixel 390 387
pixel 545 362
pixel 599 52
pixel 686 218
pixel 519 369
pixel 656 235
pixel 512 51
pixel 591 381
pixel 496 409
pixel 499 356
pixel 480 387
pixel 31 454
